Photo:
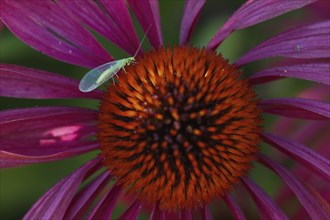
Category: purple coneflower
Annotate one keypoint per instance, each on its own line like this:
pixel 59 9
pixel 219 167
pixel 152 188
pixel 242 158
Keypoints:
pixel 179 131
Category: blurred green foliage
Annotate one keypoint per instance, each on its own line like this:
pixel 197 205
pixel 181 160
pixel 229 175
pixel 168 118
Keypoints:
pixel 21 187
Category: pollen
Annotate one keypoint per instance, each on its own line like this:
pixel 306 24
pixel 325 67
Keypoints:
pixel 179 128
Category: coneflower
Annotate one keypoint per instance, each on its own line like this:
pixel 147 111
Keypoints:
pixel 179 129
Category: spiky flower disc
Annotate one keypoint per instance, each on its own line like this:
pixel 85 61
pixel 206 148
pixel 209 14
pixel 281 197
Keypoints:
pixel 180 128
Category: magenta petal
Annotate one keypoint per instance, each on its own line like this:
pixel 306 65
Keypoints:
pixel 254 12
pixel 310 41
pixel 47 27
pixel 306 198
pixel 307 157
pixel 105 206
pixel 317 72
pixel 45 133
pixel 156 214
pixel 132 212
pixel 233 206
pixel 22 82
pixel 109 18
pixel 265 204
pixel 147 13
pixel 86 196
pixel 206 213
pixel 296 108
pixel 308 132
pixel 55 202
pixel 185 215
pixel 191 13
pixel 9 160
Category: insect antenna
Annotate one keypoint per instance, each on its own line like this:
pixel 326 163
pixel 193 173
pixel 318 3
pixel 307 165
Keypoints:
pixel 142 41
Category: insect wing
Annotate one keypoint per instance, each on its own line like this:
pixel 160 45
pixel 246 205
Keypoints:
pixel 96 77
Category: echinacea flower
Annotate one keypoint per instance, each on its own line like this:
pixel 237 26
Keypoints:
pixel 180 128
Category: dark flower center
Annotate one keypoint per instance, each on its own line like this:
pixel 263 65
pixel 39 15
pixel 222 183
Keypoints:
pixel 179 128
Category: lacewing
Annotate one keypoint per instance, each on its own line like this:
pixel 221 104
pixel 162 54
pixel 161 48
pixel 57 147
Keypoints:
pixel 99 75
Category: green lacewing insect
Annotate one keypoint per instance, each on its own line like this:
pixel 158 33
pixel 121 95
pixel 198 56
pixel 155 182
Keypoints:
pixel 99 75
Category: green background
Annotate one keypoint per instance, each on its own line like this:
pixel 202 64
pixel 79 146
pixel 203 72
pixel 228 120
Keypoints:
pixel 21 187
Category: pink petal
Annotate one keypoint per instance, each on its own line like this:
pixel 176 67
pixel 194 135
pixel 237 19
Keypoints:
pixel 306 198
pixel 320 9
pixel 109 18
pixel 190 16
pixel 82 201
pixel 156 214
pixel 311 130
pixel 310 41
pixel 48 133
pixel 319 92
pixel 265 204
pixel 105 206
pixel 307 157
pixel 171 215
pixel 132 212
pixel 233 206
pixel 308 132
pixel 185 215
pixel 147 13
pixel 23 82
pixel 9 160
pixel 296 108
pixel 321 195
pixel 206 213
pixel 47 27
pixel 254 12
pixel 55 202
pixel 317 72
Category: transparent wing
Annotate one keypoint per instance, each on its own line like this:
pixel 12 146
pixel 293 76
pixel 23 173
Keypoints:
pixel 96 77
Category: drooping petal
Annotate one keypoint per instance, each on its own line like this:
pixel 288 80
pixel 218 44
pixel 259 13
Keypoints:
pixel 312 130
pixel 318 92
pixel 318 194
pixel 9 160
pixel 156 213
pixel 46 133
pixel 109 18
pixel 23 82
pixel 45 126
pixel 81 202
pixel 171 215
pixel 132 212
pixel 310 179
pixel 320 9
pixel 305 197
pixel 265 204
pixel 206 213
pixel 307 157
pixel 191 13
pixel 305 133
pixel 234 208
pixel 317 72
pixel 254 12
pixel 185 215
pixel 310 41
pixel 105 206
pixel 55 202
pixel 147 13
pixel 47 27
pixel 296 108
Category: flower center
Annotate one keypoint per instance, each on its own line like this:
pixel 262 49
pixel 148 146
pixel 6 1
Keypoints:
pixel 179 128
